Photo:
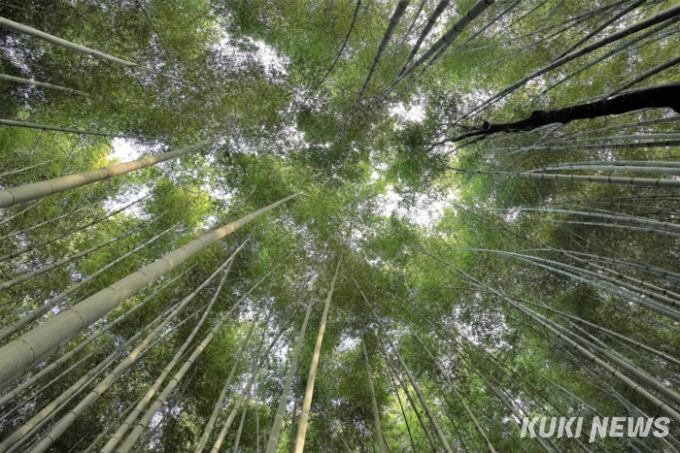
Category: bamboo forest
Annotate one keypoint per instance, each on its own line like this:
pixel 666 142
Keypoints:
pixel 339 226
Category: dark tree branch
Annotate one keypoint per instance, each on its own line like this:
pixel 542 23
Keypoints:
pixel 652 97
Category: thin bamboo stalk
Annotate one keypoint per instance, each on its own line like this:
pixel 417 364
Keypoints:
pixel 414 384
pixel 50 303
pixel 311 377
pixel 474 420
pixel 617 180
pixel 35 246
pixel 376 411
pixel 53 219
pixel 443 43
pixel 153 388
pixel 246 391
pixel 22 194
pixel 602 26
pixel 394 21
pixel 670 13
pixel 645 75
pixel 20 28
pixel 441 6
pixel 274 434
pixel 45 127
pixel 223 393
pixel 29 275
pixel 66 421
pixel 23 169
pixel 40 84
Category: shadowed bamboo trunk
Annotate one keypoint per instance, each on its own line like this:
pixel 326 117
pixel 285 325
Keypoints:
pixel 441 6
pixel 246 391
pixel 34 346
pixel 65 422
pixel 50 303
pixel 672 13
pixel 275 432
pixel 120 432
pixel 9 396
pixel 32 247
pixel 442 43
pixel 409 375
pixel 376 411
pixel 223 393
pixel 307 404
pixel 33 191
pixel 394 21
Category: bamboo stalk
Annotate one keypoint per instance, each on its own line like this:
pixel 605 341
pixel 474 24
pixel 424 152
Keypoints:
pixel 33 191
pixel 45 127
pixel 376 411
pixel 20 28
pixel 151 391
pixel 441 6
pixel 275 433
pixel 34 346
pixel 309 392
pixel 40 84
pixel 50 303
pixel 618 180
pixel 66 421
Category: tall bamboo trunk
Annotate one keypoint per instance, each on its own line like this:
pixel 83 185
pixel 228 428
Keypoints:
pixel 34 346
pixel 223 393
pixel 65 422
pixel 50 86
pixel 20 28
pixel 376 411
pixel 246 391
pixel 9 396
pixel 309 392
pixel 50 303
pixel 45 127
pixel 274 434
pixel 122 430
pixel 36 190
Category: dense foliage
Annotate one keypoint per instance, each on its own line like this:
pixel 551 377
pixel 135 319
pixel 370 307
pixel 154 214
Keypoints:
pixel 482 223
